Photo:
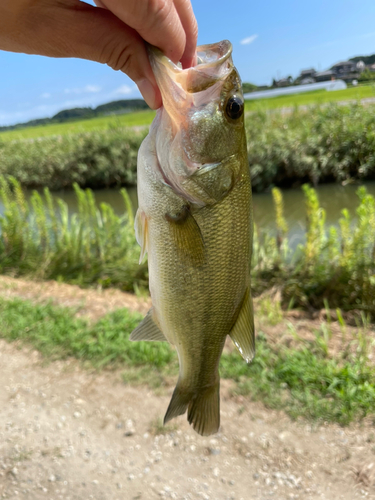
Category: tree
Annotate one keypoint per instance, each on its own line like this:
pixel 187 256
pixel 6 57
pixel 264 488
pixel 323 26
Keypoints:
pixel 367 76
pixel 248 87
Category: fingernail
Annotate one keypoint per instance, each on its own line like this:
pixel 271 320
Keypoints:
pixel 150 94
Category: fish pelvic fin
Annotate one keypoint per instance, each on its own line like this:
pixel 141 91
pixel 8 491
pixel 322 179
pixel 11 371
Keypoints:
pixel 203 408
pixel 148 330
pixel 141 232
pixel 243 333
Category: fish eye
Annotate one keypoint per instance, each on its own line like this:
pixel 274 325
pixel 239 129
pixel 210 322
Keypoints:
pixel 235 107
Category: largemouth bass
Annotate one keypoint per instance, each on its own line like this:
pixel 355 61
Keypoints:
pixel 195 222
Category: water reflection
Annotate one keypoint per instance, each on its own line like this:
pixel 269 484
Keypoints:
pixel 333 198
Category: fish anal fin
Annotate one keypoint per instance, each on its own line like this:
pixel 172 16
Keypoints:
pixel 242 333
pixel 148 330
pixel 187 236
pixel 141 232
pixel 203 408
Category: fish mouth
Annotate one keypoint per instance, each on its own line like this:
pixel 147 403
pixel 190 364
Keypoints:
pixel 214 54
pixel 214 63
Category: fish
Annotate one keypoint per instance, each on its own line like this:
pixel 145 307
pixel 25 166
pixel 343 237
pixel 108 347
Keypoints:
pixel 195 222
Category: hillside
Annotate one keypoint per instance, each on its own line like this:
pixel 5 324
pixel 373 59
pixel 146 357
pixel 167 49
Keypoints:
pixel 365 59
pixel 66 115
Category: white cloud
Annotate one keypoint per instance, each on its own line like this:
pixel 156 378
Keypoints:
pixel 84 90
pixel 46 95
pixel 92 88
pixel 248 40
pixel 124 89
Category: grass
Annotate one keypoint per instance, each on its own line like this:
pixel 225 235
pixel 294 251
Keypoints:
pixel 323 144
pixel 97 159
pixel 57 334
pixel 315 97
pixel 305 380
pixel 96 247
pixel 333 264
pixel 135 119
pixel 39 238
pixel 144 118
pixel 157 427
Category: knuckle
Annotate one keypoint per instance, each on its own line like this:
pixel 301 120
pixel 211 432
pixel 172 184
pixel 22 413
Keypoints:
pixel 159 11
pixel 194 30
pixel 118 56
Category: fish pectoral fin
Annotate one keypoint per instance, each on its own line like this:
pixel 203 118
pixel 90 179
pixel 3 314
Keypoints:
pixel 141 232
pixel 242 333
pixel 187 236
pixel 148 330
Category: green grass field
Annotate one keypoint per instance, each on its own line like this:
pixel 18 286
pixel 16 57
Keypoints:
pixel 145 117
pixel 315 97
pixel 138 118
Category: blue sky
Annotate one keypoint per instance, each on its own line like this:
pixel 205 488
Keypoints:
pixel 282 38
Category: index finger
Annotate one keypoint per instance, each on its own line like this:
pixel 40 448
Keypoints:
pixel 157 21
pixel 189 23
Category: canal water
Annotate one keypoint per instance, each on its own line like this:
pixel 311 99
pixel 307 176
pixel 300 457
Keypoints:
pixel 333 198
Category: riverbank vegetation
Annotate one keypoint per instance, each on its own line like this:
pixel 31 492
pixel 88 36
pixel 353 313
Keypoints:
pixel 95 159
pixel 334 266
pixel 309 376
pixel 333 143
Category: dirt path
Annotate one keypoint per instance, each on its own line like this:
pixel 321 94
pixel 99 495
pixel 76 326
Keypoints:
pixel 68 433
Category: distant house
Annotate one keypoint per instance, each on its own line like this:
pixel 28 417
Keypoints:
pixel 344 70
pixel 284 82
pixel 306 76
pixel 324 76
pixel 307 73
pixel 348 70
pixel 307 80
pixel 344 67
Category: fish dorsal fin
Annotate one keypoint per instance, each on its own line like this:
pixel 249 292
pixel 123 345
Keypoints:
pixel 148 330
pixel 187 236
pixel 242 332
pixel 141 232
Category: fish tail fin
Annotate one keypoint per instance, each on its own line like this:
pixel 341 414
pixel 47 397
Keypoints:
pixel 179 402
pixel 203 408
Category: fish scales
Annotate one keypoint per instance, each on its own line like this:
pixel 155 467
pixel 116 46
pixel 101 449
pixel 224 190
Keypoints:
pixel 196 226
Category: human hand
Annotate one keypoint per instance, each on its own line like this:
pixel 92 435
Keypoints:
pixel 112 33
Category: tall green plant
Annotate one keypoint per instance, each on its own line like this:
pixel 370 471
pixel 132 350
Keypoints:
pixel 42 239
pixel 334 266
